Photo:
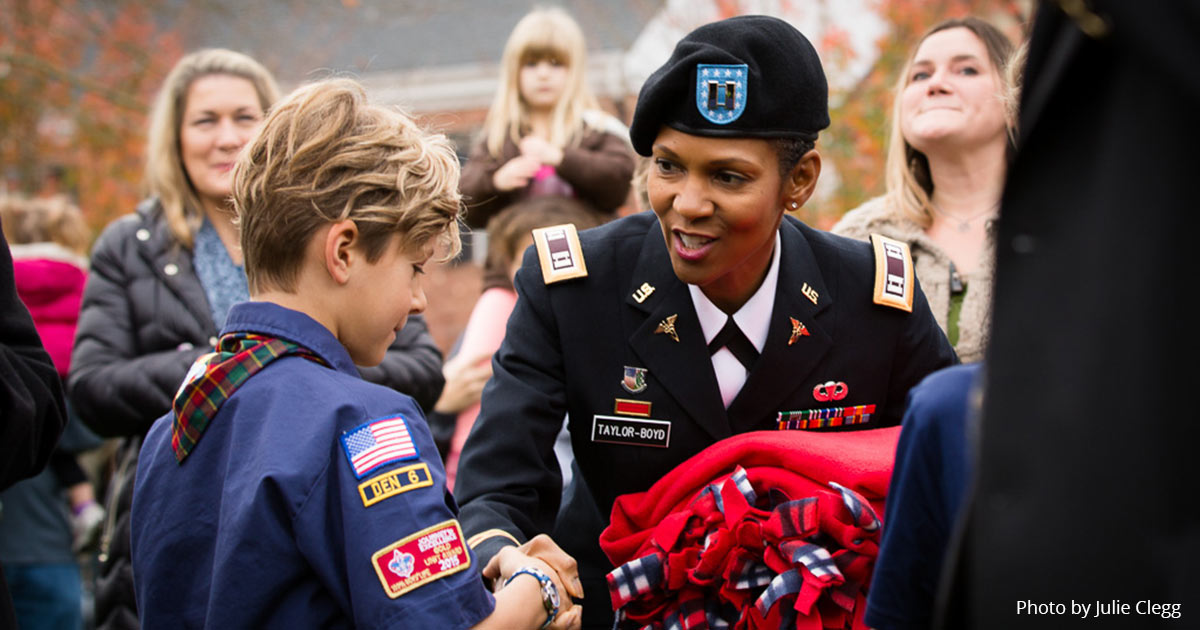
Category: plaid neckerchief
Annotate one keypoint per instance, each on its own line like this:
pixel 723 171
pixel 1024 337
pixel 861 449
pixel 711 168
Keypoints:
pixel 214 377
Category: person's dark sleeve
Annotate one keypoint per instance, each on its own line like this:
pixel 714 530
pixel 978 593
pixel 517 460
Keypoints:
pixel 922 349
pixel 508 477
pixel 116 391
pixel 1162 35
pixel 924 497
pixel 600 171
pixel 32 414
pixel 412 365
pixel 480 196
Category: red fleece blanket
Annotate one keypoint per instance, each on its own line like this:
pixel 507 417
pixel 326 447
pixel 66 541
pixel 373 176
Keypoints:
pixel 762 530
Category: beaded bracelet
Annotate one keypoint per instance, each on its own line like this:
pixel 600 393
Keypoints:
pixel 550 599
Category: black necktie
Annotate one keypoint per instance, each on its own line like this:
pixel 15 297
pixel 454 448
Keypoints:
pixel 733 338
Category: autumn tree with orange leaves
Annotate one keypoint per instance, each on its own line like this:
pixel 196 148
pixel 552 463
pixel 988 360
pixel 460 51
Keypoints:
pixel 76 78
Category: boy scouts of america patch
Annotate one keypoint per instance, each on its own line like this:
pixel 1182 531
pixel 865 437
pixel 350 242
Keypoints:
pixel 721 91
pixel 635 380
pixel 559 253
pixel 428 555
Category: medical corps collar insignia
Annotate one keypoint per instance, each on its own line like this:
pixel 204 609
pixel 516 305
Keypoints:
pixel 721 91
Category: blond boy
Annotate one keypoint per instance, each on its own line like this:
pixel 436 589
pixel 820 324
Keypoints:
pixel 283 490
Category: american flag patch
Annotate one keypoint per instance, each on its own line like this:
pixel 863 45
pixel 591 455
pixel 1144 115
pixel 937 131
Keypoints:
pixel 378 443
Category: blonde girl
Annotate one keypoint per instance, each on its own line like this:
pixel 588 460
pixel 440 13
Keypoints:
pixel 545 133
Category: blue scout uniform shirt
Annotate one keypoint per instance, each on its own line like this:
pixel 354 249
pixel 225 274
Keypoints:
pixel 303 506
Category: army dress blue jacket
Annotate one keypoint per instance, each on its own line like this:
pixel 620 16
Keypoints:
pixel 276 520
pixel 640 401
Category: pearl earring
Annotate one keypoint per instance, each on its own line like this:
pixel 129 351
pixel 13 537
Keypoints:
pixel 795 206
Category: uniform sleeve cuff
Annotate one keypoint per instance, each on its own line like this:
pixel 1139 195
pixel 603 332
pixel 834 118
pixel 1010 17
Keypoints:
pixel 488 543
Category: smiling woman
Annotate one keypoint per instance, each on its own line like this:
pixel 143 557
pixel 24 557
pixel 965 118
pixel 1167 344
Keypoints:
pixel 221 113
pixel 952 135
pixel 725 253
pixel 714 315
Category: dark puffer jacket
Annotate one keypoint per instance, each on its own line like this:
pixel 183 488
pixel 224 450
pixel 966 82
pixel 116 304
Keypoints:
pixel 144 320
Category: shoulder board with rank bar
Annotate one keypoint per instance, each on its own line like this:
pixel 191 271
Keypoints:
pixel 893 273
pixel 559 253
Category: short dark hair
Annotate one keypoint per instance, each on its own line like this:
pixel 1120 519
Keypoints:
pixel 790 150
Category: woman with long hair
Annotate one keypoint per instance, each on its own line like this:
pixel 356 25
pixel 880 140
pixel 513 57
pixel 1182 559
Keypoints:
pixel 951 137
pixel 545 133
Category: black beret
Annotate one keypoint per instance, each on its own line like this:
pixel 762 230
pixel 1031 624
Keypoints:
pixel 748 76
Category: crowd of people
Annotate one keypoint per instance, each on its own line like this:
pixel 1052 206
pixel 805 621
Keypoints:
pixel 706 414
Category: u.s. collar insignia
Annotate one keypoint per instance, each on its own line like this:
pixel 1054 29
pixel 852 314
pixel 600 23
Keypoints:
pixel 643 292
pixel 721 91
pixel 559 253
pixel 810 293
pixel 634 380
pixel 798 330
pixel 667 327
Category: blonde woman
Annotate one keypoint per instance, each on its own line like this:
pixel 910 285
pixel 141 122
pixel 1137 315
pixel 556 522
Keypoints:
pixel 952 133
pixel 545 133
pixel 163 278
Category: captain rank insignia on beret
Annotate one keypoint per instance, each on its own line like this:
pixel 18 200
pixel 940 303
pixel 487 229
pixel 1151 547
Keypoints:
pixel 893 273
pixel 559 253
pixel 721 91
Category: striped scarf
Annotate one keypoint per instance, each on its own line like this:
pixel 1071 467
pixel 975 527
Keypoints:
pixel 214 377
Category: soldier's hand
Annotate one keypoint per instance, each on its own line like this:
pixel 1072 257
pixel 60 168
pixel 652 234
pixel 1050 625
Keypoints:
pixel 510 559
pixel 545 549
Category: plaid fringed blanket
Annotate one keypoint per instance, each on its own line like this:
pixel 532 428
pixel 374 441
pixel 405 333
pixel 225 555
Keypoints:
pixel 767 530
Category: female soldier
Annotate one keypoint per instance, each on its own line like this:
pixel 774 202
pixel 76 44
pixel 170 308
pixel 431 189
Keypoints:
pixel 724 316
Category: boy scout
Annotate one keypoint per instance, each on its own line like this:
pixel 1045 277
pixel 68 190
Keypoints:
pixel 284 491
